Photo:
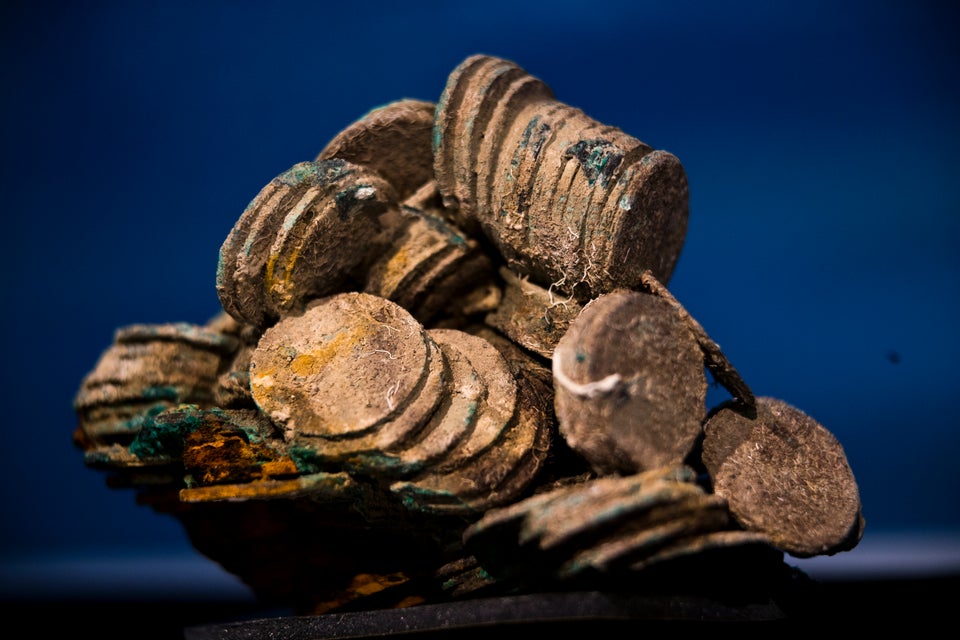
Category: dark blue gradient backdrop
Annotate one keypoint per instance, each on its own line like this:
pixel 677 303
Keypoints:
pixel 821 141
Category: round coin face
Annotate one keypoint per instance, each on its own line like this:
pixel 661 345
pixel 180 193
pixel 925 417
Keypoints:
pixel 630 384
pixel 393 140
pixel 345 366
pixel 784 475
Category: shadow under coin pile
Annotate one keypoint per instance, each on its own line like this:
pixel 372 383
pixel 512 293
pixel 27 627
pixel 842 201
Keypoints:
pixel 448 366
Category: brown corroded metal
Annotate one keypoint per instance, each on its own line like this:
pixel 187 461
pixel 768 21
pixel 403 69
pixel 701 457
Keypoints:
pixel 504 456
pixel 392 140
pixel 629 383
pixel 601 528
pixel 785 476
pixel 534 317
pixel 147 368
pixel 715 359
pixel 349 363
pixel 310 232
pixel 448 365
pixel 567 201
pixel 432 268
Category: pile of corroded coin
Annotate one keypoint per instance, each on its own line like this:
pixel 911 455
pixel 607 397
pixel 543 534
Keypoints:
pixel 448 363
pixel 605 526
pixel 356 383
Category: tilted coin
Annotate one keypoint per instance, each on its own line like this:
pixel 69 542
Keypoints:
pixel 785 475
pixel 714 358
pixel 393 140
pixel 532 316
pixel 630 384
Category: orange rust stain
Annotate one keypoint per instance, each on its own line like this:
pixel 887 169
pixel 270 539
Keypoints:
pixel 365 584
pixel 279 281
pixel 393 272
pixel 314 361
pixel 281 467
pixel 399 262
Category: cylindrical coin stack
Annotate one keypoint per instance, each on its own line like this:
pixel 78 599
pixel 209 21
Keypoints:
pixel 310 232
pixel 568 201
pixel 148 368
pixel 433 269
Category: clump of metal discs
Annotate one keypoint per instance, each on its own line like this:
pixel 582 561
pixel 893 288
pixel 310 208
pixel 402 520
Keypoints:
pixel 449 364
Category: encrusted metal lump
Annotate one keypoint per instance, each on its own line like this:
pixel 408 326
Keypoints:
pixel 448 364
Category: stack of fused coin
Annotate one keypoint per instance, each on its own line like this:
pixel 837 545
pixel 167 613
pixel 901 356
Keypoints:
pixel 611 526
pixel 449 364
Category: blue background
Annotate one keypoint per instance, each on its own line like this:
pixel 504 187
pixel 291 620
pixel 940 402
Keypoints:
pixel 821 142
